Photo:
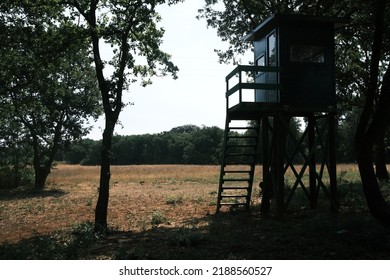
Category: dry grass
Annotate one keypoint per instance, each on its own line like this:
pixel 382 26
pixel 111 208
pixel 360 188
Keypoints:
pixel 167 211
pixel 175 191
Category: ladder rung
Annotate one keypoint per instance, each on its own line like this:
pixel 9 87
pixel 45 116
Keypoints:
pixel 230 203
pixel 239 163
pixel 237 171
pixel 240 127
pixel 239 155
pixel 241 146
pixel 235 188
pixel 241 137
pixel 237 180
pixel 233 196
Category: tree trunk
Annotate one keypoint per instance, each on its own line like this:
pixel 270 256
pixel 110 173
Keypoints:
pixel 41 174
pixel 378 206
pixel 375 201
pixel 380 158
pixel 101 210
pixel 16 162
pixel 365 144
pixel 41 170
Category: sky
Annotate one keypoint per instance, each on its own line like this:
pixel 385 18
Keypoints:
pixel 197 97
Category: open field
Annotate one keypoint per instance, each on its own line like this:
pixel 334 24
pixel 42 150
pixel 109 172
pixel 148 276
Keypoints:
pixel 168 212
pixel 136 193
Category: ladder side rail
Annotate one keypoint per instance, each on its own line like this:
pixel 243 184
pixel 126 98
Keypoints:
pixel 223 163
pixel 253 165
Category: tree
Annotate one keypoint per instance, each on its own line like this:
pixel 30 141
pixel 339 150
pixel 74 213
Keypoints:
pixel 46 80
pixel 356 71
pixel 129 27
pixel 373 122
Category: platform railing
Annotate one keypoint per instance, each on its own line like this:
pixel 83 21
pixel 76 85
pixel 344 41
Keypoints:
pixel 245 79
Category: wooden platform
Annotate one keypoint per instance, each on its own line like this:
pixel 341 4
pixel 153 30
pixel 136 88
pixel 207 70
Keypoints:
pixel 256 110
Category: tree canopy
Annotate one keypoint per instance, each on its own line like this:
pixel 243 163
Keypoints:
pixel 48 90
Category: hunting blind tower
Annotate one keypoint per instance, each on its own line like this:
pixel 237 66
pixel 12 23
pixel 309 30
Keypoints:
pixel 293 76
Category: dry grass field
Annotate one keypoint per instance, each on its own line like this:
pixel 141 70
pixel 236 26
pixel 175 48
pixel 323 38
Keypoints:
pixel 168 212
pixel 137 194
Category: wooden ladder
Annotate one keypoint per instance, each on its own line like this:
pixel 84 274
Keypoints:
pixel 238 164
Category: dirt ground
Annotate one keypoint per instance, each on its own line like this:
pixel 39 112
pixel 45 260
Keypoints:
pixel 168 212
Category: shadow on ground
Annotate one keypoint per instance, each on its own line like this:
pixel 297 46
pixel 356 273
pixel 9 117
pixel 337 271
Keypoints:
pixel 15 194
pixel 303 234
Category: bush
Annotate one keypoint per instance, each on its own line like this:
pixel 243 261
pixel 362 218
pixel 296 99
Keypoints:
pixel 158 218
pixel 11 178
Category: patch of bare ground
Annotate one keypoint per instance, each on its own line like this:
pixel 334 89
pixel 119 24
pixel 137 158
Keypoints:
pixel 168 212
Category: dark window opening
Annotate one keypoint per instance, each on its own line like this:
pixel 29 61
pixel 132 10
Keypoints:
pixel 304 53
pixel 271 49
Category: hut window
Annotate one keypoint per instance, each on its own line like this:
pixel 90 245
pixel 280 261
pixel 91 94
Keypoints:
pixel 271 49
pixel 260 61
pixel 304 53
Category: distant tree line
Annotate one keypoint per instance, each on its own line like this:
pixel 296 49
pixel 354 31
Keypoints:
pixel 188 144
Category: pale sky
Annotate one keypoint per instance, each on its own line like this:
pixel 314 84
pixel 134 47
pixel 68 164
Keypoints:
pixel 196 97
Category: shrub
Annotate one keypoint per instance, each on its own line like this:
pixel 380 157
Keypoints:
pixel 171 200
pixel 158 218
pixel 11 178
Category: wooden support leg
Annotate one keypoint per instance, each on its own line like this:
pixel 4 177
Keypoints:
pixel 312 163
pixel 280 136
pixel 266 184
pixel 332 161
